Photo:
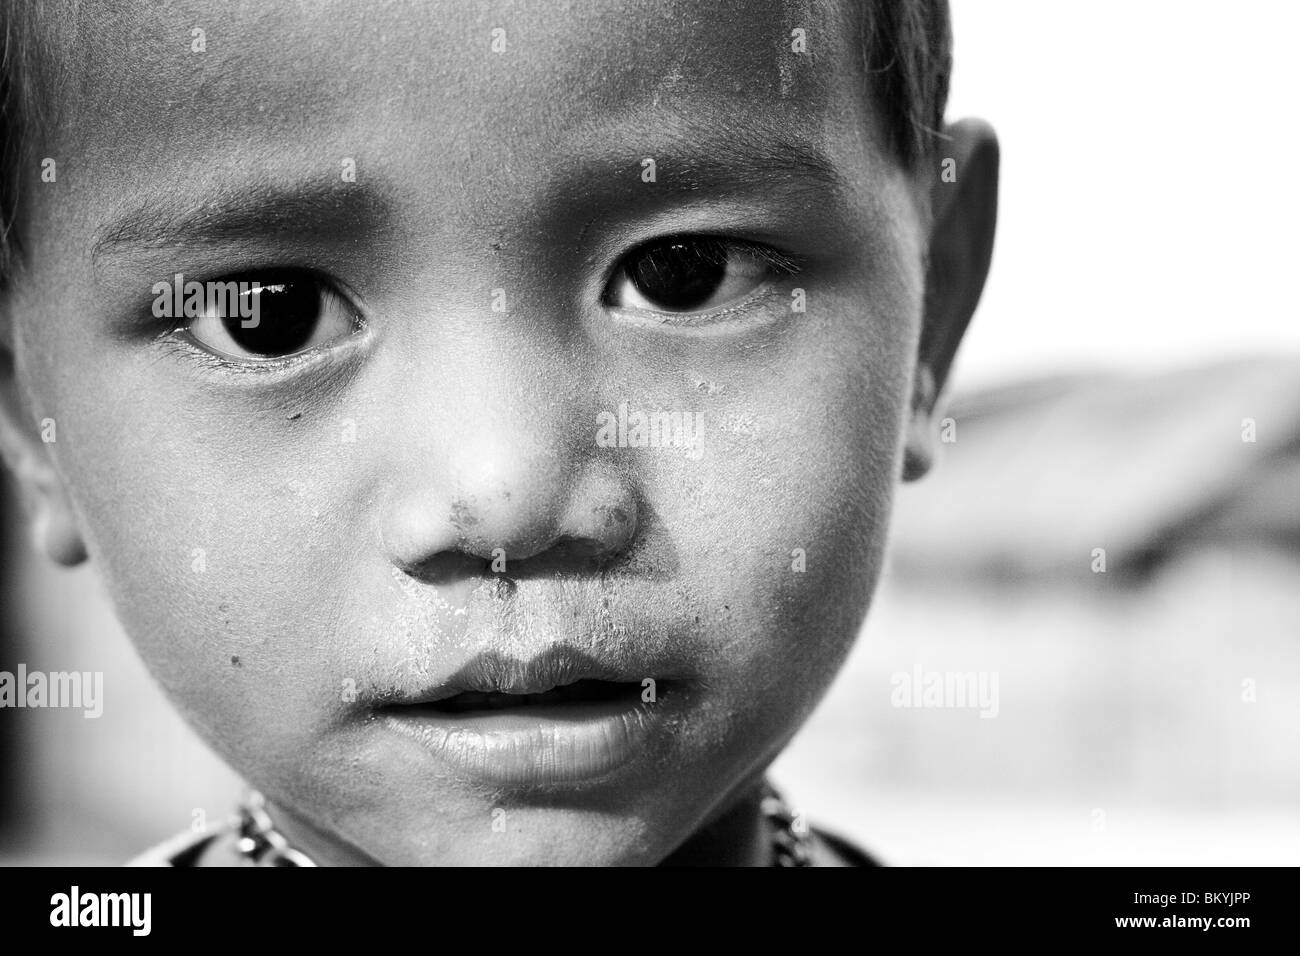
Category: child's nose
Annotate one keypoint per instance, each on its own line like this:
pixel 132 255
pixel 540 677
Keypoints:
pixel 513 508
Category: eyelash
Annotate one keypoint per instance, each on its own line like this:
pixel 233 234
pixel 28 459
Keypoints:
pixel 785 264
pixel 782 263
pixel 175 344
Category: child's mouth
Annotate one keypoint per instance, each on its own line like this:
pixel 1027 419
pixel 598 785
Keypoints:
pixel 559 719
pixel 586 691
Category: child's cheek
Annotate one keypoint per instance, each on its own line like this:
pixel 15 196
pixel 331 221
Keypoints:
pixel 226 558
pixel 780 520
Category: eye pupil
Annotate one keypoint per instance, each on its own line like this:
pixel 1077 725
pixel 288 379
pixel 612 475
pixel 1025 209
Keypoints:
pixel 679 275
pixel 283 321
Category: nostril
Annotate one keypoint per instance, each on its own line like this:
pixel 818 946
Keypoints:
pixel 566 554
pixel 449 567
pixel 573 549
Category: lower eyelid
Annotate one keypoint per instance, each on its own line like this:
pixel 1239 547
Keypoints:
pixel 768 293
pixel 189 349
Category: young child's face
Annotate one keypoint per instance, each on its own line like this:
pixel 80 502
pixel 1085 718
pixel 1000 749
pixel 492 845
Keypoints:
pixel 299 545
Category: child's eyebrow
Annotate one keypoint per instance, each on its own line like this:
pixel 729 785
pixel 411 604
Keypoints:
pixel 235 211
pixel 750 156
pixel 740 165
pixel 737 152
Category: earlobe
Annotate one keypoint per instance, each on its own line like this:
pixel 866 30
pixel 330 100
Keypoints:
pixel 918 446
pixel 963 189
pixel 55 534
pixel 53 525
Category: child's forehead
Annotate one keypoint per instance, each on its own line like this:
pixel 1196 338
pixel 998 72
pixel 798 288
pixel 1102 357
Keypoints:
pixel 344 76
pixel 558 111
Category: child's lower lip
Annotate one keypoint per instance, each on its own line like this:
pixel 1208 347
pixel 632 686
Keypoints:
pixel 533 745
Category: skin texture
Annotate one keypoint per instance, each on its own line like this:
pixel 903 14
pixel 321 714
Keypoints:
pixel 327 524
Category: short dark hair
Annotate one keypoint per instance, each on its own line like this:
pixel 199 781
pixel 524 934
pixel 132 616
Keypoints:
pixel 907 50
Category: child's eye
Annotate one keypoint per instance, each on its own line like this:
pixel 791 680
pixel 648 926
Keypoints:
pixel 682 274
pixel 272 315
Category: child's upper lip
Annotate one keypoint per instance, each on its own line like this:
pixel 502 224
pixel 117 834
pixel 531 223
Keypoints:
pixel 493 672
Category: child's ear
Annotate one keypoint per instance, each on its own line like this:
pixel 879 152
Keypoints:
pixel 963 188
pixel 26 452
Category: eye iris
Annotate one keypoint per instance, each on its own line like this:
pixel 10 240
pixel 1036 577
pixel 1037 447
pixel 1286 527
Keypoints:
pixel 287 314
pixel 680 275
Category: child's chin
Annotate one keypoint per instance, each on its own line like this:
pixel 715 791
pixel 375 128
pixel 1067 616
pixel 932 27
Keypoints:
pixel 552 839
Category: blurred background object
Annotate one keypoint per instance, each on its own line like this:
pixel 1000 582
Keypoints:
pixel 1147 713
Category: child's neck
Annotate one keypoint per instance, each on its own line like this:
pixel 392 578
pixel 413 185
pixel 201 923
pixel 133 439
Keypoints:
pixel 738 836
